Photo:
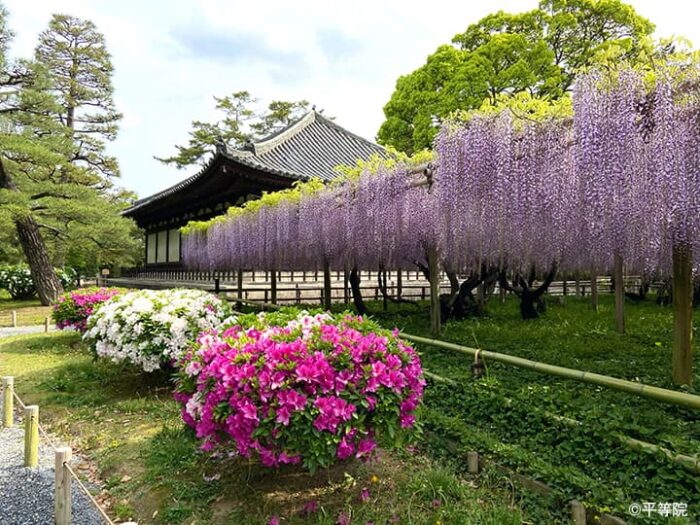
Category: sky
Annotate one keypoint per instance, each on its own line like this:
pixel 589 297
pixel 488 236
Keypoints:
pixel 171 57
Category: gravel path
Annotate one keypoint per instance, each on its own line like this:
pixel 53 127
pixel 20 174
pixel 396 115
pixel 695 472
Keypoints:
pixel 21 330
pixel 27 495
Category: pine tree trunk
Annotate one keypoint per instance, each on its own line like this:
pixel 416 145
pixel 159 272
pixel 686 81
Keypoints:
pixel 682 315
pixel 46 282
pixel 619 278
pixel 47 285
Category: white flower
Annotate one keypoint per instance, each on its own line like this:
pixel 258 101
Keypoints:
pixel 150 327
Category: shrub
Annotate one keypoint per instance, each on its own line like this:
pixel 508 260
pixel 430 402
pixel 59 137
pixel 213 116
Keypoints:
pixel 17 280
pixel 72 309
pixel 152 328
pixel 292 387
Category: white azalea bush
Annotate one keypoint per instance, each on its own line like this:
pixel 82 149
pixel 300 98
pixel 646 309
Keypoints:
pixel 153 328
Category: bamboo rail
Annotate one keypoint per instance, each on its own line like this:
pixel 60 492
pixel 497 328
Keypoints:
pixel 652 392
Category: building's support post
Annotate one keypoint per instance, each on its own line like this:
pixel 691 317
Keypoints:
pixel 399 284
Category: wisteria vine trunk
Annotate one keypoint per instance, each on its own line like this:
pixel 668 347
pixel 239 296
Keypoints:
pixel 619 279
pixel 682 315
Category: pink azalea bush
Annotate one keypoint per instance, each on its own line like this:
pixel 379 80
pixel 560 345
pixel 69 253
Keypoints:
pixel 291 387
pixel 72 309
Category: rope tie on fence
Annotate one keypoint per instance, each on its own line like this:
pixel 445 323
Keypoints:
pixel 65 464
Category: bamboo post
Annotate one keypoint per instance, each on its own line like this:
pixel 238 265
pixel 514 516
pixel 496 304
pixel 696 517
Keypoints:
pixel 473 462
pixel 14 318
pixel 8 387
pixel 619 293
pixel 273 287
pixel 46 325
pixel 434 291
pixel 239 283
pixel 62 493
pixel 682 358
pixel 31 436
pixel 326 285
pixel 578 513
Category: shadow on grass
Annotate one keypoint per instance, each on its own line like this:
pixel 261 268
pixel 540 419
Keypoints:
pixel 129 424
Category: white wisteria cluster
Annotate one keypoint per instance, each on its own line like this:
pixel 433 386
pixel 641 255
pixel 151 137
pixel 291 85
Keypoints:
pixel 150 328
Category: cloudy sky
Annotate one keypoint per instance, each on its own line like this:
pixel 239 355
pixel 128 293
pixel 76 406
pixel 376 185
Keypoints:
pixel 172 56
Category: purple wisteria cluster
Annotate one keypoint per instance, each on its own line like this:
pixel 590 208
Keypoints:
pixel 300 388
pixel 363 223
pixel 622 176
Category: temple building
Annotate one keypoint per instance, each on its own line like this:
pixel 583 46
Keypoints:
pixel 312 146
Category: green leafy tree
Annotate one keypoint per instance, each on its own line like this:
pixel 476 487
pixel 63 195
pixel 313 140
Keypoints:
pixel 50 196
pixel 75 55
pixel 32 149
pixel 537 52
pixel 240 123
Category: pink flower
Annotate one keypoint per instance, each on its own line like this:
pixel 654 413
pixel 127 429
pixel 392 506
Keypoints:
pixel 343 518
pixel 365 447
pixel 364 495
pixel 309 508
pixel 274 520
pixel 345 449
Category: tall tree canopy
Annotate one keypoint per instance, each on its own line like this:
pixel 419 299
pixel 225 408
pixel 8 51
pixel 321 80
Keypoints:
pixel 55 199
pixel 538 52
pixel 74 54
pixel 240 123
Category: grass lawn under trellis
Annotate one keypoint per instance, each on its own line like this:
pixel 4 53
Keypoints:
pixel 512 413
pixel 128 423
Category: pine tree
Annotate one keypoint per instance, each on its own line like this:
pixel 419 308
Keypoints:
pixel 54 175
pixel 75 55
pixel 241 123
pixel 30 149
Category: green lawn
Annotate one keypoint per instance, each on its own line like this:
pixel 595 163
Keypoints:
pixel 511 414
pixel 29 312
pixel 129 425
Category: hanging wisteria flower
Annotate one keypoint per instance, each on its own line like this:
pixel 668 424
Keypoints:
pixel 72 309
pixel 151 328
pixel 292 387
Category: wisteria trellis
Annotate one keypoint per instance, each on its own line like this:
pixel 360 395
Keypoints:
pixel 622 175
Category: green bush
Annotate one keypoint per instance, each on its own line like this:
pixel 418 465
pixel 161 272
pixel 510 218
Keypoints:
pixel 17 280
